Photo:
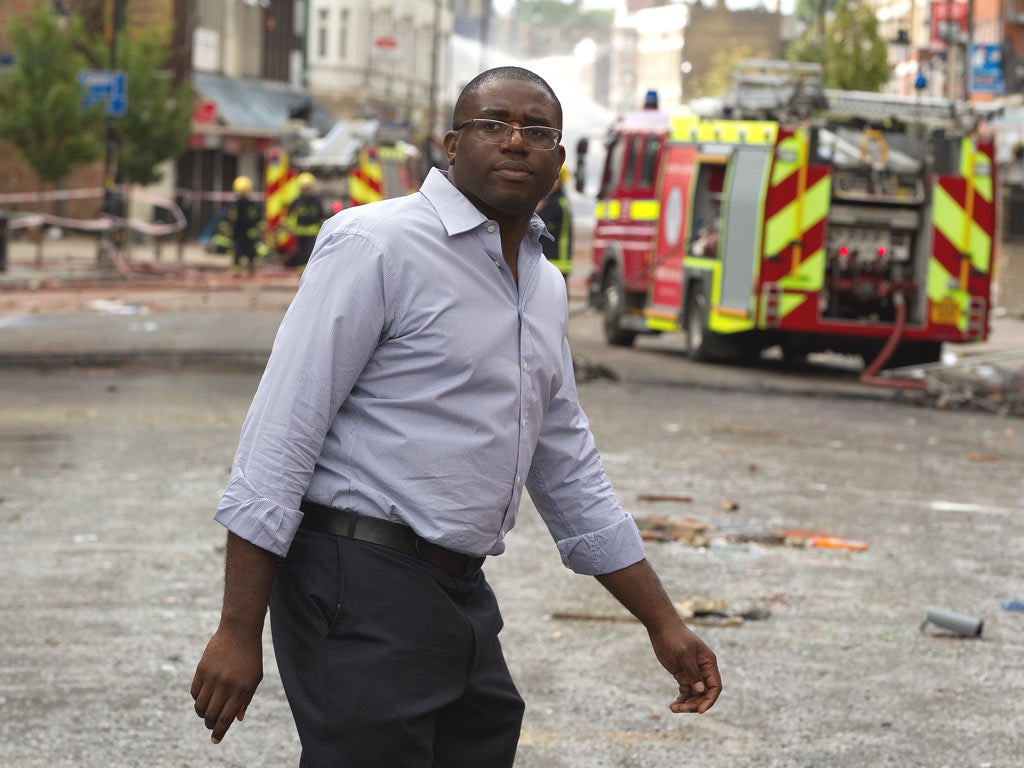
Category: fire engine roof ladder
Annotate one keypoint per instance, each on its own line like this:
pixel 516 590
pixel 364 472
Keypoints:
pixel 770 89
pixel 885 106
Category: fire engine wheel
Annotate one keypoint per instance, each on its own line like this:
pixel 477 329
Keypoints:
pixel 700 342
pixel 613 308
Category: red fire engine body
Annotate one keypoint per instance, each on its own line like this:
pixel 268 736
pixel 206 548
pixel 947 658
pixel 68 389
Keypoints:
pixel 806 218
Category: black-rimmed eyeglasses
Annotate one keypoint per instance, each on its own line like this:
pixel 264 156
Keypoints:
pixel 497 132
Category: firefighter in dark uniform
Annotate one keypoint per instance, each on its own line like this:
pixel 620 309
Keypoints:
pixel 242 227
pixel 305 215
pixel 557 215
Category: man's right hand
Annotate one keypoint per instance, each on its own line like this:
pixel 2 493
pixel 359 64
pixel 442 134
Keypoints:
pixel 226 679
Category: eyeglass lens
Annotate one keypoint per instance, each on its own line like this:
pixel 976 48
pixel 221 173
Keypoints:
pixel 497 132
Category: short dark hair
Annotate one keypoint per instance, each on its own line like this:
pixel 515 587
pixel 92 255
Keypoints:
pixel 501 73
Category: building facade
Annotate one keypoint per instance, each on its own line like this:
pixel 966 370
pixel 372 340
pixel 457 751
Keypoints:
pixel 379 59
pixel 664 47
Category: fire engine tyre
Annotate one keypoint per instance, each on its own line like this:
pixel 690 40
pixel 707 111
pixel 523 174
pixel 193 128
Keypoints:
pixel 700 342
pixel 613 302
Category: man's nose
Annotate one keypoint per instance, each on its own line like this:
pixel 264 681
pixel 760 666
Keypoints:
pixel 514 134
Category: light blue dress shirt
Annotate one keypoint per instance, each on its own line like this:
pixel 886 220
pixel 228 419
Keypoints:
pixel 412 379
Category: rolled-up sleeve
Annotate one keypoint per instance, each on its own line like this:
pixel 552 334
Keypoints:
pixel 244 511
pixel 569 487
pixel 609 549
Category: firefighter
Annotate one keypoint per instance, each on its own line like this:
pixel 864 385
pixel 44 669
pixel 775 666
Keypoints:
pixel 242 227
pixel 305 215
pixel 557 215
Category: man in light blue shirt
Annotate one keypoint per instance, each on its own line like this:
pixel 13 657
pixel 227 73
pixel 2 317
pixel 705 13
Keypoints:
pixel 420 380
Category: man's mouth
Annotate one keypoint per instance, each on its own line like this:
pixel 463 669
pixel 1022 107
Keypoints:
pixel 514 172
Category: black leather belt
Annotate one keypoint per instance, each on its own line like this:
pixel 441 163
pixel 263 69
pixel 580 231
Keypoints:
pixel 401 538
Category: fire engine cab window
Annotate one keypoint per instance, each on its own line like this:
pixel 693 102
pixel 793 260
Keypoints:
pixel 635 148
pixel 612 168
pixel 650 166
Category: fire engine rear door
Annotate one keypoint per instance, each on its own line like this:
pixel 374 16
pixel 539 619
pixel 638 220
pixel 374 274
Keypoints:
pixel 746 184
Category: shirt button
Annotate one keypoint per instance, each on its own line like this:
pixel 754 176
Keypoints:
pixel 524 422
pixel 526 366
pixel 490 227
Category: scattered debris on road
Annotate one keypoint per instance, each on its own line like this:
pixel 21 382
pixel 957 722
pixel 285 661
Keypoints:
pixel 695 610
pixel 695 533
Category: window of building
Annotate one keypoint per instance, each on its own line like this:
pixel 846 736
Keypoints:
pixel 321 48
pixel 343 35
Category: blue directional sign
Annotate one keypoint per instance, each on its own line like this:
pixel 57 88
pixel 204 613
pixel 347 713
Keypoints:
pixel 103 86
pixel 987 69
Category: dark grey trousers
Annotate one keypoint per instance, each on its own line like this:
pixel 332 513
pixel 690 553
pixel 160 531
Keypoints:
pixel 390 662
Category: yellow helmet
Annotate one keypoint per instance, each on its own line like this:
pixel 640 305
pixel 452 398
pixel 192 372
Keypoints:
pixel 306 179
pixel 242 185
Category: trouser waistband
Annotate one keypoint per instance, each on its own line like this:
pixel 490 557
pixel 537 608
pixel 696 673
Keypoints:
pixel 386 533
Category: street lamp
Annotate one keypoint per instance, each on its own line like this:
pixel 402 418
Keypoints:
pixel 900 45
pixel 899 50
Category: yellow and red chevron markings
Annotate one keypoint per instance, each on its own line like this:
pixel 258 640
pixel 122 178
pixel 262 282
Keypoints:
pixel 964 230
pixel 281 187
pixel 366 183
pixel 796 209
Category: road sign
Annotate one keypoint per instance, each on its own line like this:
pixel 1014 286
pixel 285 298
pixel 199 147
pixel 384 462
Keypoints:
pixel 987 68
pixel 103 85
pixel 386 46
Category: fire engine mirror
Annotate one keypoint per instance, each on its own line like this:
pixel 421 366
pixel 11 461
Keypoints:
pixel 582 146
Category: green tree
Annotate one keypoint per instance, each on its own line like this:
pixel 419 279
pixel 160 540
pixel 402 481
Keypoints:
pixel 41 111
pixel 852 52
pixel 155 125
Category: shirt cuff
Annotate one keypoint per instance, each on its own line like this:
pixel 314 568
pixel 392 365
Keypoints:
pixel 609 549
pixel 258 520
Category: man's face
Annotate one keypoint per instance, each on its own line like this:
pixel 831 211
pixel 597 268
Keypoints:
pixel 505 180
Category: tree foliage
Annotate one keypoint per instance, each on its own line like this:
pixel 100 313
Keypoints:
pixel 849 48
pixel 155 126
pixel 41 111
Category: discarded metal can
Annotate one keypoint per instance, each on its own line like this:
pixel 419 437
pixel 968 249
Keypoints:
pixel 957 623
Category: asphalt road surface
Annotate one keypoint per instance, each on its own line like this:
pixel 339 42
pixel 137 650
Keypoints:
pixel 112 567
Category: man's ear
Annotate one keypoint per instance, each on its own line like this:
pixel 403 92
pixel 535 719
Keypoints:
pixel 451 141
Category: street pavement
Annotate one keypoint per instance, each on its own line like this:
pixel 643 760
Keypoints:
pixel 182 302
pixel 108 478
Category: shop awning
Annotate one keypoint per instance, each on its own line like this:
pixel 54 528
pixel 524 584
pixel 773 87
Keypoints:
pixel 260 106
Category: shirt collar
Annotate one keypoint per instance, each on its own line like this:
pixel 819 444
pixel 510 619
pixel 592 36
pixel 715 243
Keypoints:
pixel 456 212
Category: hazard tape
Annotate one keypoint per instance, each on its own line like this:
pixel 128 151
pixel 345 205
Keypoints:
pixel 99 223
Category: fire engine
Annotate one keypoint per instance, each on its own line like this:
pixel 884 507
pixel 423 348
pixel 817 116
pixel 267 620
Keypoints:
pixel 798 216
